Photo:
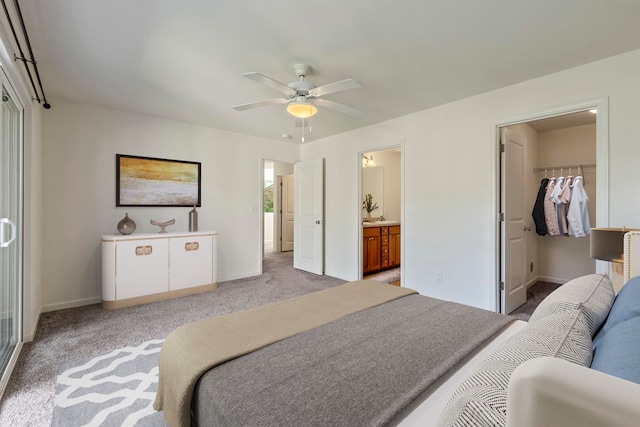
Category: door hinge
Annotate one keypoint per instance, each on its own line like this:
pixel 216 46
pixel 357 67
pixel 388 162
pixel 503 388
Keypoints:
pixel 280 210
pixel 502 148
pixel 502 286
pixel 501 216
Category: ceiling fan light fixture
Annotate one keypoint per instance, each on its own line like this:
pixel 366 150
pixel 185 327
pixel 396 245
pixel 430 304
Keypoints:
pixel 301 109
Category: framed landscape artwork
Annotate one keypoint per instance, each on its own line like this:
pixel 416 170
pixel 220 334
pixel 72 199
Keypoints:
pixel 146 181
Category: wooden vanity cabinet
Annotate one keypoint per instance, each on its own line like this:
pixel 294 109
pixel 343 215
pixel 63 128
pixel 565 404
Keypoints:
pixel 380 248
pixel 384 247
pixel 370 249
pixel 394 246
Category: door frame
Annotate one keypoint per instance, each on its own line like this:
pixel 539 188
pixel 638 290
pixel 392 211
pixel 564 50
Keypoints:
pixel 19 242
pixel 261 160
pixel 602 173
pixel 381 147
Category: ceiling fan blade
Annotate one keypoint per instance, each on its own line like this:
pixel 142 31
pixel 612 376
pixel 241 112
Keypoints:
pixel 250 105
pixel 271 83
pixel 335 87
pixel 339 107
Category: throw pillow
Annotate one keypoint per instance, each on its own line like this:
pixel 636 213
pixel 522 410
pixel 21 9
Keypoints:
pixel 481 399
pixel 592 293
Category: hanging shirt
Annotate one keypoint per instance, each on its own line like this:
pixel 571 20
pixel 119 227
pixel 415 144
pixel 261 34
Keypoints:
pixel 564 197
pixel 578 215
pixel 538 208
pixel 550 215
pixel 557 203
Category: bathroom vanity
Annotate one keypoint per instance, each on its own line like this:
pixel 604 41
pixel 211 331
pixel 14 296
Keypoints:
pixel 380 246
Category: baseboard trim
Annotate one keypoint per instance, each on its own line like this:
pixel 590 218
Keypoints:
pixel 70 304
pixel 552 280
pixel 146 299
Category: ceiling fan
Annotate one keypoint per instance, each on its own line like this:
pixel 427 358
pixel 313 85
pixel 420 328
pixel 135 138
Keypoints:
pixel 302 96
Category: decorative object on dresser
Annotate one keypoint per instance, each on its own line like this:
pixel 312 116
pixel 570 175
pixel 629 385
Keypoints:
pixel 147 181
pixel 153 267
pixel 193 219
pixel 126 225
pixel 163 225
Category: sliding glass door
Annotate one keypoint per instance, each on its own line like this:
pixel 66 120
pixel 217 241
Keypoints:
pixel 11 114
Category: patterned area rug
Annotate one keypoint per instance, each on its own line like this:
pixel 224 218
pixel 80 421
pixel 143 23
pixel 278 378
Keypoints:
pixel 115 389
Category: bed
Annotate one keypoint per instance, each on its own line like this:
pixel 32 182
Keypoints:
pixel 305 367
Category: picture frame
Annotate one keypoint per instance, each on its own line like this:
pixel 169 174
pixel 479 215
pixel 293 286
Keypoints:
pixel 154 182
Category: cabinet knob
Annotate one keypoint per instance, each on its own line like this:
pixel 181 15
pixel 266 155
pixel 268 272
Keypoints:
pixel 191 246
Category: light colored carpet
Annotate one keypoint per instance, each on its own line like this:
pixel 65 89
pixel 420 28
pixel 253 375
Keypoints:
pixel 85 332
pixel 535 294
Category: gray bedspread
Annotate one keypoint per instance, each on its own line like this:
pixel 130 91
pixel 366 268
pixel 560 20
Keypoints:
pixel 361 370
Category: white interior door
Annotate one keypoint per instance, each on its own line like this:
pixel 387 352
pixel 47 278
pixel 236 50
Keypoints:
pixel 308 247
pixel 286 216
pixel 513 247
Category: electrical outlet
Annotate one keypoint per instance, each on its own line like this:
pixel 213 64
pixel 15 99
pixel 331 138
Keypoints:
pixel 439 277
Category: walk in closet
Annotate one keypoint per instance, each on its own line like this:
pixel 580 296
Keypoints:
pixel 559 147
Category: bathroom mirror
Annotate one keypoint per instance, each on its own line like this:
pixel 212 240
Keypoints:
pixel 373 183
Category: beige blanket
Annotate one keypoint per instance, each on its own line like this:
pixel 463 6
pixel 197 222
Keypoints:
pixel 194 348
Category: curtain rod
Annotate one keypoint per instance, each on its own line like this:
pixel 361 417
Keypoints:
pixel 22 58
pixel 563 167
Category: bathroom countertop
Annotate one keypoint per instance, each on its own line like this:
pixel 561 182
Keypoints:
pixel 379 223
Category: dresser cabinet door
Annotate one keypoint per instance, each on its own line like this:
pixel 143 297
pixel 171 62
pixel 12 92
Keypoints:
pixel 190 262
pixel 141 267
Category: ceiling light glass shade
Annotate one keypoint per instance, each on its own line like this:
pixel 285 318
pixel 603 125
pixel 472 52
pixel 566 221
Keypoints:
pixel 301 109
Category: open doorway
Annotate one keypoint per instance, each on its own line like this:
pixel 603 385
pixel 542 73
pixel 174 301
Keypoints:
pixel 277 216
pixel 381 199
pixel 545 152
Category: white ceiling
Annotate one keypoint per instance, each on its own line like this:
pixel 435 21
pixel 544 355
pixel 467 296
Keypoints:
pixel 184 59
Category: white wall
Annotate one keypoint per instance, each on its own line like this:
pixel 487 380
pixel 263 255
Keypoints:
pixel 80 142
pixel 33 213
pixel 450 185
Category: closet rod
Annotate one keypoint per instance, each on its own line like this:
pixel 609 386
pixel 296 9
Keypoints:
pixel 557 168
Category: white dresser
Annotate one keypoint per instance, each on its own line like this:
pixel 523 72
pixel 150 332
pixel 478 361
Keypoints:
pixel 142 268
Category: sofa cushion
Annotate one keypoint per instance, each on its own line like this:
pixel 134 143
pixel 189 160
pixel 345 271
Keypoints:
pixel 618 352
pixel 481 399
pixel 592 293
